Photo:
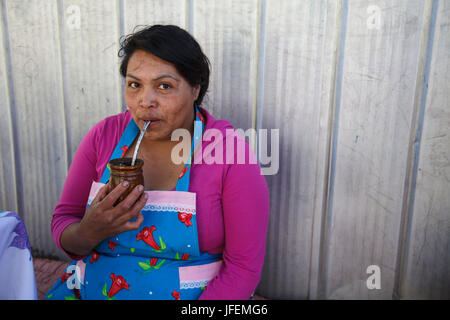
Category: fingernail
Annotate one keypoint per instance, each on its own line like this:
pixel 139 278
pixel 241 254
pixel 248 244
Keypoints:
pixel 125 183
pixel 140 188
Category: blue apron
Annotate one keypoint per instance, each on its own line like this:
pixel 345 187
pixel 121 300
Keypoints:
pixel 161 260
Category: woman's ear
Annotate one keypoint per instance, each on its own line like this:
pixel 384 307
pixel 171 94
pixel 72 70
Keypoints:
pixel 196 91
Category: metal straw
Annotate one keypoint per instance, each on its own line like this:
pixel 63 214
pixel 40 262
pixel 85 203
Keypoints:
pixel 139 142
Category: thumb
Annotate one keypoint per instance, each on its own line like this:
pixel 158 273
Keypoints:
pixel 136 224
pixel 101 194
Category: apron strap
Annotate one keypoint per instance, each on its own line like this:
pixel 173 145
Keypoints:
pixel 132 131
pixel 183 179
pixel 199 124
pixel 127 138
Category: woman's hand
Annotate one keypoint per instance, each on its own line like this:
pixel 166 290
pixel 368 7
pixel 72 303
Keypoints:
pixel 103 220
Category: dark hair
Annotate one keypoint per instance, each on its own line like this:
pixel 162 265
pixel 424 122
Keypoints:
pixel 174 45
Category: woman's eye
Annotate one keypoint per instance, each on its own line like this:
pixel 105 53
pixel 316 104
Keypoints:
pixel 133 85
pixel 164 86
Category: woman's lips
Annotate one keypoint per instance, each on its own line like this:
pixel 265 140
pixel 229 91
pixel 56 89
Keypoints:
pixel 152 122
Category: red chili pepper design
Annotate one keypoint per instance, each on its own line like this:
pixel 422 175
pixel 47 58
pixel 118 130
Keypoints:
pixel 183 172
pixel 124 149
pixel 65 276
pixel 77 293
pixel 118 284
pixel 176 295
pixel 94 257
pixel 185 218
pixel 202 119
pixel 153 261
pixel 112 245
pixel 184 256
pixel 146 235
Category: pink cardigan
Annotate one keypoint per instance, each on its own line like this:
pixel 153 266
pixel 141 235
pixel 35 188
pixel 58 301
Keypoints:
pixel 232 204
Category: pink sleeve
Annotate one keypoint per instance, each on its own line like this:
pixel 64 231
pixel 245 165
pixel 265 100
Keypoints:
pixel 72 204
pixel 245 201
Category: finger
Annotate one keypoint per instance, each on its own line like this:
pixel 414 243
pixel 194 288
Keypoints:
pixel 115 193
pixel 103 192
pixel 134 225
pixel 134 211
pixel 126 204
pixel 100 194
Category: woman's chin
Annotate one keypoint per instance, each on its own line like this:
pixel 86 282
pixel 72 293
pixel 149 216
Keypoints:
pixel 151 135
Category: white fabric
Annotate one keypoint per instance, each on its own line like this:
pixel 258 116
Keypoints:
pixel 17 280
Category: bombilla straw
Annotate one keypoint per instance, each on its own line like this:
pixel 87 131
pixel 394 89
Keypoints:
pixel 139 142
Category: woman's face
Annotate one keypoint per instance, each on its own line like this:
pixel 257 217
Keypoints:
pixel 155 91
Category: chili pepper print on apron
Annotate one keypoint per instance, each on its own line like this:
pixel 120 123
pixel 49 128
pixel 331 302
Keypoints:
pixel 161 260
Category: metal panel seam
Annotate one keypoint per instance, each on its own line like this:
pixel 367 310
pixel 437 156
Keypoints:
pixel 65 94
pixel 17 169
pixel 413 154
pixel 333 150
pixel 190 16
pixel 121 33
pixel 314 284
pixel 260 56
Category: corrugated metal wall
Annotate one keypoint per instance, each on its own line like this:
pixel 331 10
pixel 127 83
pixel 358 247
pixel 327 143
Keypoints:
pixel 359 92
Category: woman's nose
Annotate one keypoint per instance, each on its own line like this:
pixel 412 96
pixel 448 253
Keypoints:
pixel 147 98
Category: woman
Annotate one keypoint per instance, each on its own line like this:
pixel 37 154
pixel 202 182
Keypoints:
pixel 214 247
